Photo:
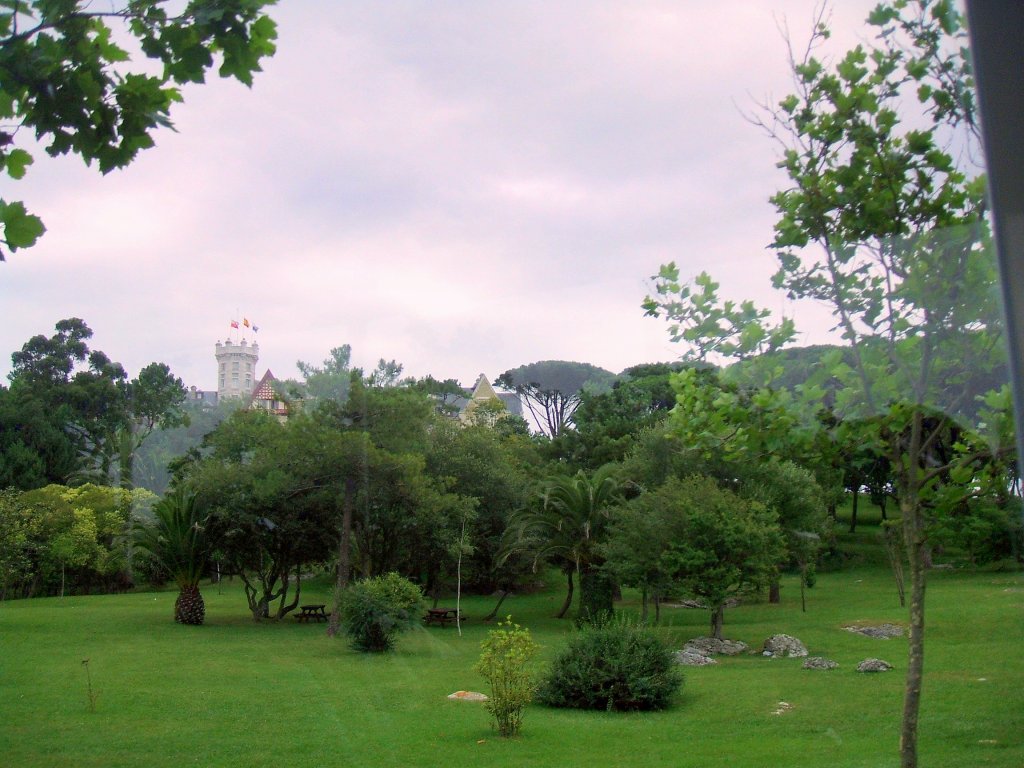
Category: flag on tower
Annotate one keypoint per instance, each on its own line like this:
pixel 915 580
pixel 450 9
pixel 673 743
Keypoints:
pixel 234 324
pixel 255 329
pixel 245 321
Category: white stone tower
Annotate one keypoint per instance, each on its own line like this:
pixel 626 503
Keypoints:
pixel 236 368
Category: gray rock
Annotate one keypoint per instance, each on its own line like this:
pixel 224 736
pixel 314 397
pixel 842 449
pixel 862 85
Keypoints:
pixel 709 646
pixel 882 631
pixel 467 696
pixel 691 658
pixel 819 662
pixel 783 645
pixel 874 665
pixel 732 602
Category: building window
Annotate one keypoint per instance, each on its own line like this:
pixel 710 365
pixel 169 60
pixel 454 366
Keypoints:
pixel 234 366
pixel 222 381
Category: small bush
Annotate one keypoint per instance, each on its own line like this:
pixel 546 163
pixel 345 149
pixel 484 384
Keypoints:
pixel 505 664
pixel 614 666
pixel 374 611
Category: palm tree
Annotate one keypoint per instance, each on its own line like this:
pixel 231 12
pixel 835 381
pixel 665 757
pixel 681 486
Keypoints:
pixel 566 527
pixel 177 540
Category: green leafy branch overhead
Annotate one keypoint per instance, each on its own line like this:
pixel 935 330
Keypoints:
pixel 64 79
pixel 709 326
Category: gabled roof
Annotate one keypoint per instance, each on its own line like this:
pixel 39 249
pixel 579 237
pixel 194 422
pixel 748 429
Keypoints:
pixel 265 388
pixel 483 390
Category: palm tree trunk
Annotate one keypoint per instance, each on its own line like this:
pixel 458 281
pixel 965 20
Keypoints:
pixel 494 611
pixel 568 597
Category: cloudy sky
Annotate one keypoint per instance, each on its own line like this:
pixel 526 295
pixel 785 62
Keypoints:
pixel 462 186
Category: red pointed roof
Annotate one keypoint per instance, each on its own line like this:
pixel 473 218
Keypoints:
pixel 265 389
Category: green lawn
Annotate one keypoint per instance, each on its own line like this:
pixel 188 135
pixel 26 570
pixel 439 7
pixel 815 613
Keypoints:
pixel 233 693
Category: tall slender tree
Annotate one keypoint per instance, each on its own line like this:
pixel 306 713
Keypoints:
pixel 883 220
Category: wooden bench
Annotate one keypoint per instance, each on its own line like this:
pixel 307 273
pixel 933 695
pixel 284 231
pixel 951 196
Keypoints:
pixel 442 616
pixel 309 613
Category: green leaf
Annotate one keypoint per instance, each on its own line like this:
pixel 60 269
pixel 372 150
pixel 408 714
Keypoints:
pixel 790 103
pixel 809 72
pixel 17 162
pixel 21 229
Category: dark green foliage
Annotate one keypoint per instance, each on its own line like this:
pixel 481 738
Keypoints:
pixel 614 666
pixel 568 527
pixel 61 421
pixel 608 422
pixel 375 611
pixel 597 590
pixel 982 530
pixel 478 463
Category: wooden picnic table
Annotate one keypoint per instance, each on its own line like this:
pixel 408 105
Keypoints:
pixel 442 616
pixel 309 613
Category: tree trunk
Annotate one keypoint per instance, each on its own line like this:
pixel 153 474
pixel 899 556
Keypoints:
pixel 917 545
pixel 916 549
pixel 189 607
pixel 344 555
pixel 717 619
pixel 494 611
pixel 894 548
pixel 643 604
pixel 126 457
pixel 774 590
pixel 853 513
pixel 283 610
pixel 568 597
pixel 657 608
pixel 803 587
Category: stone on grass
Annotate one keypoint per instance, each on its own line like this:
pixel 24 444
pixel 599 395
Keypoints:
pixel 819 662
pixel 732 602
pixel 467 696
pixel 782 708
pixel 882 631
pixel 691 658
pixel 874 665
pixel 783 645
pixel 709 646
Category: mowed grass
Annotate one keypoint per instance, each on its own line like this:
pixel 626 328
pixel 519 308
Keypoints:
pixel 235 693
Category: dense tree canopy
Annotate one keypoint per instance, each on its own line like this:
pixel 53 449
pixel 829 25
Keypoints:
pixel 72 413
pixel 551 390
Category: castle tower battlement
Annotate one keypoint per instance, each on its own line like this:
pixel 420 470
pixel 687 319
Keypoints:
pixel 236 368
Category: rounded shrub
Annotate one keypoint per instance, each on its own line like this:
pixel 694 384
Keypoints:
pixel 375 611
pixel 615 666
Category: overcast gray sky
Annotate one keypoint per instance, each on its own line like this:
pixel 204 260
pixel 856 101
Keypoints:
pixel 462 186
